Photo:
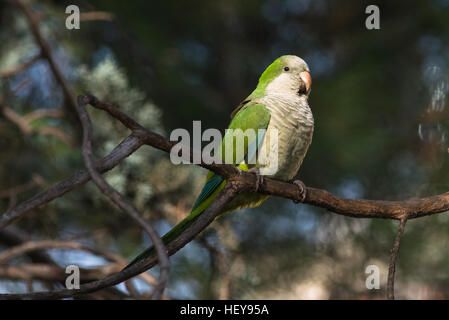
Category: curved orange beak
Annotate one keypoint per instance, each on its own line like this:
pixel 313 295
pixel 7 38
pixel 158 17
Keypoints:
pixel 307 79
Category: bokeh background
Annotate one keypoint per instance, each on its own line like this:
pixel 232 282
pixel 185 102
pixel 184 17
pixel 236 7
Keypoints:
pixel 379 99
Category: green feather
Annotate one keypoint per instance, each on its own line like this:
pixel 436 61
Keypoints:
pixel 251 116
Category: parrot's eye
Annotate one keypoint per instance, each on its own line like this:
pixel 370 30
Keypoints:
pixel 286 68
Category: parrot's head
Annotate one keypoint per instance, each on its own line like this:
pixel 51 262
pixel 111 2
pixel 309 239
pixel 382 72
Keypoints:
pixel 286 75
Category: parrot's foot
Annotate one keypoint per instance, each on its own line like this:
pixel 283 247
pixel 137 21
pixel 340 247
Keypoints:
pixel 259 177
pixel 302 190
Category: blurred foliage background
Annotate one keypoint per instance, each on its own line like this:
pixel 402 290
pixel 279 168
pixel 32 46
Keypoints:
pixel 379 100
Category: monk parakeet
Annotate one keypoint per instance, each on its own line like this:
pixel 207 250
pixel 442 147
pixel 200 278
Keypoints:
pixel 278 104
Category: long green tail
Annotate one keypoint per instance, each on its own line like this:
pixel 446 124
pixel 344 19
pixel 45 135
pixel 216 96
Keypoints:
pixel 168 237
pixel 213 186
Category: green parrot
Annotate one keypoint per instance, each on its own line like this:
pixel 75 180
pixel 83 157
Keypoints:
pixel 279 105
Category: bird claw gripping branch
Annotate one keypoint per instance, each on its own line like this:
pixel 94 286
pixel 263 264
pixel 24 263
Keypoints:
pixel 302 191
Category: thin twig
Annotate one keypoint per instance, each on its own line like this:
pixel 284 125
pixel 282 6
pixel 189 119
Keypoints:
pixel 17 119
pixel 39 245
pixel 220 268
pixel 96 15
pixel 54 273
pixel 55 132
pixel 46 51
pixel 15 237
pixel 84 16
pixel 20 68
pixel 133 142
pixel 43 113
pixel 119 200
pixel 393 258
pixel 24 122
pixel 55 244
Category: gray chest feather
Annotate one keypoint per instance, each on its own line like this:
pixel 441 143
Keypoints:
pixel 293 119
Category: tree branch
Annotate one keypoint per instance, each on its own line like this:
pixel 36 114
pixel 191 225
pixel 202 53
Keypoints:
pixel 133 142
pixel 36 250
pixel 54 273
pixel 46 51
pixel 116 198
pixel 17 69
pixel 24 122
pixel 17 238
pixel 226 195
pixel 238 181
pixel 55 244
pixel 13 237
pixel 393 258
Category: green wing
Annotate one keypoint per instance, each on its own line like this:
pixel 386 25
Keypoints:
pixel 249 116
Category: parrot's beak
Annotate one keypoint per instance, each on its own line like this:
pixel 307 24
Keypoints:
pixel 307 80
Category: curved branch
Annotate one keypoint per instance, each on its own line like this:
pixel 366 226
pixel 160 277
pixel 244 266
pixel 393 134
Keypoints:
pixel 133 142
pixel 55 244
pixel 359 208
pixel 116 198
pixel 35 249
pixel 53 273
pixel 15 237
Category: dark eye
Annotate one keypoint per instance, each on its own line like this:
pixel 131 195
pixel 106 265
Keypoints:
pixel 286 68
